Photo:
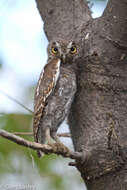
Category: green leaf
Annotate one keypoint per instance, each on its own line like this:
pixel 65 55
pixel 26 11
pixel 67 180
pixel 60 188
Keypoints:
pixel 10 153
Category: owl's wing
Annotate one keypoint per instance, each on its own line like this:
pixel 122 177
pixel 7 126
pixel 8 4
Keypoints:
pixel 46 83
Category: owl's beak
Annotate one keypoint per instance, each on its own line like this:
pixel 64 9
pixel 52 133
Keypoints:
pixel 63 57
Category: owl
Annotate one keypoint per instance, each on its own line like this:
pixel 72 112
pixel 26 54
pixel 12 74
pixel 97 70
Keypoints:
pixel 55 91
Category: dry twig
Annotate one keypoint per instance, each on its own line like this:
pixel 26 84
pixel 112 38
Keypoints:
pixel 31 134
pixel 16 101
pixel 55 148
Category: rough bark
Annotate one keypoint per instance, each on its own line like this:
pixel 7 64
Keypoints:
pixel 63 18
pixel 98 118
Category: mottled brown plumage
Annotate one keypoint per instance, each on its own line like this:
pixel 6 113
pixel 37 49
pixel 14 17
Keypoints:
pixel 54 92
pixel 45 86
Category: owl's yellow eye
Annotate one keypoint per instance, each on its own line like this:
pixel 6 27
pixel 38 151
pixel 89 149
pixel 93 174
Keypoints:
pixel 73 49
pixel 54 50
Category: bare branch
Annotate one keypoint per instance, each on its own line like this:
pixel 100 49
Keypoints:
pixel 23 133
pixel 31 134
pixel 16 101
pixel 64 135
pixel 55 148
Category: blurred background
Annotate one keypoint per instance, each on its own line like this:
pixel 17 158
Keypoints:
pixel 22 56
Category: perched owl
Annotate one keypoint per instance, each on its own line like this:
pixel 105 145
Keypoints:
pixel 54 92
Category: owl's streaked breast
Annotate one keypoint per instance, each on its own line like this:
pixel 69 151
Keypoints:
pixel 46 84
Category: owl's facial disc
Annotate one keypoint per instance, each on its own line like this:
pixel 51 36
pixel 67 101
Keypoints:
pixel 68 52
pixel 64 51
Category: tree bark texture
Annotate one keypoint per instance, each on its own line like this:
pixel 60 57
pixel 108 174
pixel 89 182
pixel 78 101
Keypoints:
pixel 98 118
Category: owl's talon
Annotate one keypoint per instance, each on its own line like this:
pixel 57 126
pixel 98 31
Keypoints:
pixel 59 147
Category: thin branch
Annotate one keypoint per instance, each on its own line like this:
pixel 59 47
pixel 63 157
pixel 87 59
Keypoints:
pixel 55 148
pixel 16 101
pixel 23 133
pixel 31 134
pixel 64 135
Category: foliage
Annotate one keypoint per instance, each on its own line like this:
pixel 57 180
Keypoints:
pixel 19 161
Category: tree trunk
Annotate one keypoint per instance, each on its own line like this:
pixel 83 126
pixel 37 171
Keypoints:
pixel 98 118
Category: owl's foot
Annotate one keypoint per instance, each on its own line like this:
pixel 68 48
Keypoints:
pixel 45 139
pixel 48 136
pixel 55 137
pixel 51 137
pixel 60 148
